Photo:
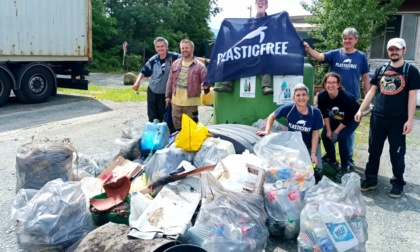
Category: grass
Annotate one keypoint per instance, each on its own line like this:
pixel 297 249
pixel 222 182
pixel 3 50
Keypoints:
pixel 108 94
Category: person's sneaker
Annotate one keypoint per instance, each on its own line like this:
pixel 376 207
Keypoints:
pixel 367 185
pixel 341 173
pixel 267 91
pixel 223 88
pixel 334 165
pixel 352 166
pixel 396 191
pixel 325 159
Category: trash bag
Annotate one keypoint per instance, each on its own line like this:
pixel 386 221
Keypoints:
pixel 334 216
pixel 283 205
pixel 212 151
pixel 54 218
pixel 164 162
pixel 22 197
pixel 192 135
pixel 90 166
pixel 228 221
pixel 262 123
pixel 43 160
pixel 128 142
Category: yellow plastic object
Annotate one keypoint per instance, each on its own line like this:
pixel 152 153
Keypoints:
pixel 207 99
pixel 138 183
pixel 192 135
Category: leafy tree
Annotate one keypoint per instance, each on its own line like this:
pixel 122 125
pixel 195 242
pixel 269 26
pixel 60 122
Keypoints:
pixel 103 27
pixel 331 17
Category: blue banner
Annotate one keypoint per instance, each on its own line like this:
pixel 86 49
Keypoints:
pixel 253 46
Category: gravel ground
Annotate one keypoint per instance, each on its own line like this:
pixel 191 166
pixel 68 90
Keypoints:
pixel 92 127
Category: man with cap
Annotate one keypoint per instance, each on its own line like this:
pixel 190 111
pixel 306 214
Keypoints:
pixel 394 87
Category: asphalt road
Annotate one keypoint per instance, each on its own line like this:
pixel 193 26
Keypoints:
pixel 92 127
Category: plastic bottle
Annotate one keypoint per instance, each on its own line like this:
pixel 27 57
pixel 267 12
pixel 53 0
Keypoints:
pixel 338 228
pixel 154 137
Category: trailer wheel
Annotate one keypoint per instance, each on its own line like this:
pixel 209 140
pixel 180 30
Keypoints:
pixel 36 85
pixel 5 87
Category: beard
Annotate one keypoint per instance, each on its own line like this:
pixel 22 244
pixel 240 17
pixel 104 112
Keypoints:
pixel 395 59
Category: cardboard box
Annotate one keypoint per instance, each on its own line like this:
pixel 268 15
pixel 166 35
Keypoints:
pixel 255 182
pixel 122 167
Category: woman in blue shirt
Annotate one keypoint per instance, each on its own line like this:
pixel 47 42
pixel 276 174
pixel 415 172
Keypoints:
pixel 300 117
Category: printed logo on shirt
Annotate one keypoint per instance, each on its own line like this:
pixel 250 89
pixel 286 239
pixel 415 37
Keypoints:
pixel 346 64
pixel 300 126
pixel 336 114
pixel 391 83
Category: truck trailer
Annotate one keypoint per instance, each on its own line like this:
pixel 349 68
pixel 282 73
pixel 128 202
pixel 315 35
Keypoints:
pixel 44 44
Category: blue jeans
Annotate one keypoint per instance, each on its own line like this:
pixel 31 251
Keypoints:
pixel 351 144
pixel 344 140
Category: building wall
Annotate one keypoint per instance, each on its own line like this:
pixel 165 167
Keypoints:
pixel 374 63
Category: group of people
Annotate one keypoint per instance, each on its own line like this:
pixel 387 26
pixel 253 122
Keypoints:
pixel 177 79
pixel 392 89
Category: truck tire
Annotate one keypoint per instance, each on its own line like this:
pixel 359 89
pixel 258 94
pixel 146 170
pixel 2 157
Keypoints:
pixel 36 84
pixel 5 87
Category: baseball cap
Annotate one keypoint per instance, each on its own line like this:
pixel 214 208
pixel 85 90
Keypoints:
pixel 397 42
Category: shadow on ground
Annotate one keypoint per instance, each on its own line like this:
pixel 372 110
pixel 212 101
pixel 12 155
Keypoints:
pixel 16 115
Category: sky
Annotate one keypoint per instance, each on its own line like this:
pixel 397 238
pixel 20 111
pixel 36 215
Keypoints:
pixel 240 9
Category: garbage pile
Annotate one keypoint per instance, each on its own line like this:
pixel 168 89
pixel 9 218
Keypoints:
pixel 190 188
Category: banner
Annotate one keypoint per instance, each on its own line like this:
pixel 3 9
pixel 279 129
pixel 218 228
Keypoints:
pixel 253 46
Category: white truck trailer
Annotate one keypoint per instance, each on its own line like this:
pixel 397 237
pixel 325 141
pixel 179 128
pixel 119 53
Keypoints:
pixel 43 44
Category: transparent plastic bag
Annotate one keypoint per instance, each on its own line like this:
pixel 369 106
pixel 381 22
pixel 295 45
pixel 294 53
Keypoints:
pixel 54 218
pixel 22 197
pixel 228 221
pixel 261 124
pixel 212 151
pixel 43 160
pixel 90 166
pixel 333 218
pixel 283 206
pixel 129 140
pixel 284 149
pixel 164 162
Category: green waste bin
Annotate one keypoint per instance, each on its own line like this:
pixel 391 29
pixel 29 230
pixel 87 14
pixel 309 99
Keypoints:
pixel 235 108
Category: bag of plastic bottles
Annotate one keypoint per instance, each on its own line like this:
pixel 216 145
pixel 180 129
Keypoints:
pixel 228 221
pixel 334 217
pixel 283 204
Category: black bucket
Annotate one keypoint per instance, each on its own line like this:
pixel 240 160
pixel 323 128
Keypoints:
pixel 165 246
pixel 185 248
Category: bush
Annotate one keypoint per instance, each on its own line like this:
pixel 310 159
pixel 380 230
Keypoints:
pixel 108 61
pixel 132 63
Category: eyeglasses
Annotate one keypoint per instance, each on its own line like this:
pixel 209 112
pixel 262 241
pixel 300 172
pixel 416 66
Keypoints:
pixel 331 82
pixel 394 49
pixel 260 1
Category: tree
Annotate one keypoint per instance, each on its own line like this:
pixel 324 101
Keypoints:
pixel 331 17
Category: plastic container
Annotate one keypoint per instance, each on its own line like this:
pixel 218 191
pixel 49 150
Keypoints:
pixel 231 108
pixel 100 219
pixel 339 230
pixel 155 136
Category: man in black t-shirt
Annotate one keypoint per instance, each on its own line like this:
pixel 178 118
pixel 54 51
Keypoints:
pixel 394 87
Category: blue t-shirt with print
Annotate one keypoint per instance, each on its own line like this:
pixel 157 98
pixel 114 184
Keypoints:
pixel 298 122
pixel 350 66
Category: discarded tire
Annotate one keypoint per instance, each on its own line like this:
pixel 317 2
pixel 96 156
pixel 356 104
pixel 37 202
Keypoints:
pixel 243 137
